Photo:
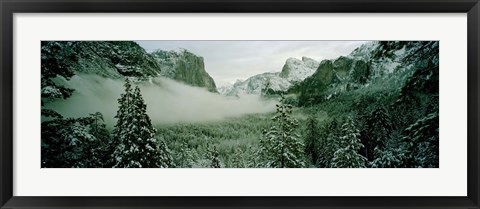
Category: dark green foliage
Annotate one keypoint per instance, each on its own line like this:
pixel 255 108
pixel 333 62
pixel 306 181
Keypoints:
pixel 185 156
pixel 68 143
pixel 375 131
pixel 328 143
pixel 314 86
pixel 61 140
pixel 253 157
pixel 213 156
pixel 392 116
pixel 422 142
pixel 134 134
pixel 229 136
pixel 55 60
pixel 238 160
pixel 165 159
pixel 347 156
pixel 312 140
pixel 390 157
pixel 124 118
pixel 281 146
pixel 361 71
pixel 100 150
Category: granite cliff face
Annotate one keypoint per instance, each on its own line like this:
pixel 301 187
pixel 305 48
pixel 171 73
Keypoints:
pixel 118 59
pixel 112 59
pixel 184 66
pixel 293 71
pixel 259 85
pixel 375 65
pixel 372 63
pixel 296 70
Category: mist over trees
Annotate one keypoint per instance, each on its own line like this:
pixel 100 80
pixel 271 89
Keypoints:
pixel 375 108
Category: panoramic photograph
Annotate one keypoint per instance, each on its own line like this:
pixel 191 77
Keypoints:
pixel 239 104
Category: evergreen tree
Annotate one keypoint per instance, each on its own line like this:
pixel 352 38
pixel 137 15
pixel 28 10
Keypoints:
pixel 252 157
pixel 238 161
pixel 213 156
pixel 136 145
pixel 347 156
pixel 58 134
pixel 186 157
pixel 312 143
pixel 66 143
pixel 165 156
pixel 388 158
pixel 422 142
pixel 376 132
pixel 329 144
pixel 100 148
pixel 55 59
pixel 122 132
pixel 281 146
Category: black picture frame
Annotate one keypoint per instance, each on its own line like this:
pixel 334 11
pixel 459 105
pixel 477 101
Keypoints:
pixel 9 7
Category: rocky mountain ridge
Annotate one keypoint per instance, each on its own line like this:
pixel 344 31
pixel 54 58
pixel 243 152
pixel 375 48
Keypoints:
pixel 293 71
pixel 118 59
pixel 182 65
pixel 368 64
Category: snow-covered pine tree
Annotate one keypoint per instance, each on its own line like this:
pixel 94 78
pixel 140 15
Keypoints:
pixel 144 148
pixel 252 157
pixel 54 63
pixel 312 142
pixel 238 161
pixel 135 135
pixel 122 133
pixel 165 155
pixel 186 158
pixel 65 143
pixel 281 146
pixel 329 144
pixel 422 142
pixel 388 158
pixel 213 157
pixel 347 156
pixel 101 149
pixel 375 134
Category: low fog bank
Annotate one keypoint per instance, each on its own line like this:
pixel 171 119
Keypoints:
pixel 167 101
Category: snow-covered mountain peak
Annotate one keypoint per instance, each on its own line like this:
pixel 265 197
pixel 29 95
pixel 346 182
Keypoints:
pixel 224 87
pixel 294 70
pixel 297 70
pixel 364 51
pixel 179 50
pixel 293 60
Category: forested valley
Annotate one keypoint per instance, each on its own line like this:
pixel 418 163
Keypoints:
pixel 377 107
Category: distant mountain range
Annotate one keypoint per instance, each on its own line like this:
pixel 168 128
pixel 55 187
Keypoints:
pixel 293 71
pixel 368 63
pixel 307 77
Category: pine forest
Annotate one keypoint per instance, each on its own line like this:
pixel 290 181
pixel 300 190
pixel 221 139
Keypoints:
pixel 239 104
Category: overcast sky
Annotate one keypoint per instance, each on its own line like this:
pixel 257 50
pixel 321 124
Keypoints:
pixel 228 61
